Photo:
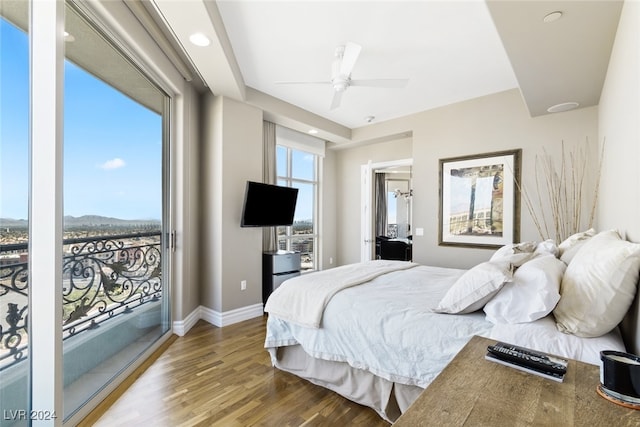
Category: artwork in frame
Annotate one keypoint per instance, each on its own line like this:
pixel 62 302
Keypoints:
pixel 480 200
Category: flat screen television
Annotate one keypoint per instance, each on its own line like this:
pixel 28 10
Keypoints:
pixel 267 205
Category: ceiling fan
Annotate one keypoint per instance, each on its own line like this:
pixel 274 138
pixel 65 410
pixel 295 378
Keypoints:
pixel 346 57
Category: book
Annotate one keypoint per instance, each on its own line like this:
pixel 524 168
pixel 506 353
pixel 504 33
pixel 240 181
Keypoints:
pixel 555 376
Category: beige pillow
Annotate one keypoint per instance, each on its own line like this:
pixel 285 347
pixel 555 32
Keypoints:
pixel 570 246
pixel 598 286
pixel 475 288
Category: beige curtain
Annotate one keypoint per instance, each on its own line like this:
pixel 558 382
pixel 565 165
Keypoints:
pixel 381 203
pixel 269 238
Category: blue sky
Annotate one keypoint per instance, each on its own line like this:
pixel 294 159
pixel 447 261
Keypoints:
pixel 112 144
pixel 301 168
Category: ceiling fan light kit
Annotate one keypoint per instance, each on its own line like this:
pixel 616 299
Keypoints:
pixel 346 57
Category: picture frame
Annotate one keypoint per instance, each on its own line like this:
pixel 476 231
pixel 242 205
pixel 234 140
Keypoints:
pixel 480 200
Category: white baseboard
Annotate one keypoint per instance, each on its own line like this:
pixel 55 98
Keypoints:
pixel 217 318
pixel 230 317
pixel 181 327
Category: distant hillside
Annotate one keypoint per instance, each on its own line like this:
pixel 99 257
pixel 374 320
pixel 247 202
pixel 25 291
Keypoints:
pixel 96 220
pixel 83 221
pixel 15 223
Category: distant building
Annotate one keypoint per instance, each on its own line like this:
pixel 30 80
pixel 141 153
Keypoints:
pixel 12 259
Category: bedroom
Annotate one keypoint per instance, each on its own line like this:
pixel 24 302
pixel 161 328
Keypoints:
pixel 210 290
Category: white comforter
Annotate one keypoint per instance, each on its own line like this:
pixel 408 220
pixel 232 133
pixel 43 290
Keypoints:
pixel 302 300
pixel 387 327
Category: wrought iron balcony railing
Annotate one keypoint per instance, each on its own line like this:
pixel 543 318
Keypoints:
pixel 103 277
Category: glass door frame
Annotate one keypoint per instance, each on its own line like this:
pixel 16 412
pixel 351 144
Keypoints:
pixel 46 43
pixel 45 210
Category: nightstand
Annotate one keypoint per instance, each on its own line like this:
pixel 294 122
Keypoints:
pixel 472 391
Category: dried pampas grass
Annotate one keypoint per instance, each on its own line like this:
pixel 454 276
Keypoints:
pixel 560 185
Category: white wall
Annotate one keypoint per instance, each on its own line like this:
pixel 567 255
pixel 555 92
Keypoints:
pixel 619 199
pixel 491 123
pixel 231 154
pixel 348 163
pixel 328 214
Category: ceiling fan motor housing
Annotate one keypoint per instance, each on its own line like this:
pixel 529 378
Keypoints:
pixel 340 83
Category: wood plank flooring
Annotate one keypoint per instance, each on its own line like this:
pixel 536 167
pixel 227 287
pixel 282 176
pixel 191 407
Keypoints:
pixel 223 377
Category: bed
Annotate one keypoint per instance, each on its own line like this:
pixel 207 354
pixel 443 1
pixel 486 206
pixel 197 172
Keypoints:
pixel 379 332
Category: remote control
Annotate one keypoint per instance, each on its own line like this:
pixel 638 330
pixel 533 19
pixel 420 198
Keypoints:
pixel 527 358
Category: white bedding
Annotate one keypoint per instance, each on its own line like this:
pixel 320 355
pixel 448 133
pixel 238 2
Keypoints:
pixel 544 335
pixel 302 300
pixel 387 327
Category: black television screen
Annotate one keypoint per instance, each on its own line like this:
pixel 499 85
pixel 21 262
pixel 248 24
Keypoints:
pixel 267 205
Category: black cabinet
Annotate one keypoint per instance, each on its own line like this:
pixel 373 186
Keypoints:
pixel 395 249
pixel 277 267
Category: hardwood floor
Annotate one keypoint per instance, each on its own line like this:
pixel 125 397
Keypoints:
pixel 223 377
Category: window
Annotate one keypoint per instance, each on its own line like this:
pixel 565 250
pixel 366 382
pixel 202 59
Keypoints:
pixel 298 168
pixel 14 205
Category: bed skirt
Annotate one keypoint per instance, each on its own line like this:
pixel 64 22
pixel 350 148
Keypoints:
pixel 387 398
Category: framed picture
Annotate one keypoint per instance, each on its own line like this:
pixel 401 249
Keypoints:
pixel 480 200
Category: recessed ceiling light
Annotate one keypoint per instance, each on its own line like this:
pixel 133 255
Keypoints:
pixel 565 106
pixel 313 131
pixel 552 17
pixel 199 39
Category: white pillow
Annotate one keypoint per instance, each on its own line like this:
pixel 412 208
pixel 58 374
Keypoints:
pixel 475 287
pixel 570 246
pixel 533 293
pixel 515 253
pixel 546 247
pixel 543 335
pixel 598 286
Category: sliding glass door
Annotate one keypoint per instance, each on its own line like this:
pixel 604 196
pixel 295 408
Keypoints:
pixel 113 280
pixel 114 269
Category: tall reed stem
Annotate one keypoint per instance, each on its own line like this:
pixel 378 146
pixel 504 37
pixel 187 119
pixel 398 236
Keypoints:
pixel 561 187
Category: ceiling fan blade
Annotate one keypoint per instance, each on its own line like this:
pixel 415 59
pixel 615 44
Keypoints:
pixel 337 98
pixel 390 83
pixel 349 58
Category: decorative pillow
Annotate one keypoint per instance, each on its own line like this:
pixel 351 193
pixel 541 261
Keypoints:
pixel 548 247
pixel 598 286
pixel 570 246
pixel 475 287
pixel 516 253
pixel 533 293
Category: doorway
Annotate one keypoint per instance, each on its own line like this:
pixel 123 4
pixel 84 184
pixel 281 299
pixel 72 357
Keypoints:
pixel 386 209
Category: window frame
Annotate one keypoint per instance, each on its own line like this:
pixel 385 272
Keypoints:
pixel 289 181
